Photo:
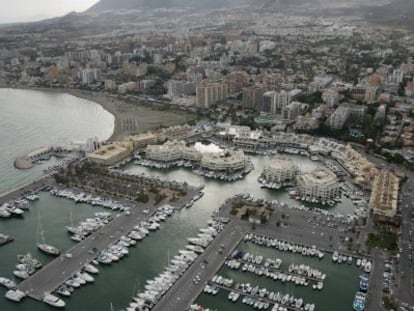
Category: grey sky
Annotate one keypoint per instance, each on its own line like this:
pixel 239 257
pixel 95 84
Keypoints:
pixel 29 10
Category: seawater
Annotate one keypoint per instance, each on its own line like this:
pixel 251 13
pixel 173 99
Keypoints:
pixel 32 119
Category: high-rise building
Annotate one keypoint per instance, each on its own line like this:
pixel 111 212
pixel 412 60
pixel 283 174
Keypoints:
pixel 211 92
pixel 252 97
pixel 269 102
pixel 339 117
pixel 291 111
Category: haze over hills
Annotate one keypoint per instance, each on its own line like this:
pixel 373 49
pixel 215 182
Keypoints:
pixel 106 5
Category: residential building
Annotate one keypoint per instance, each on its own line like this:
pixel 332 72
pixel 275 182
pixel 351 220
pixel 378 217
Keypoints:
pixel 111 153
pixel 384 195
pixel 210 93
pixel 319 185
pixel 339 117
pixel 252 97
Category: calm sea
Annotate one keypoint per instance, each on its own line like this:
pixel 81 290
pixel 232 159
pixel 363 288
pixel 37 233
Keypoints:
pixel 31 119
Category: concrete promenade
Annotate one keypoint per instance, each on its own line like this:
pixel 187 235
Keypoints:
pixel 60 269
pixel 185 291
pixel 299 230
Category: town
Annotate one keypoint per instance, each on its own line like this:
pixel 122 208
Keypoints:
pixel 273 146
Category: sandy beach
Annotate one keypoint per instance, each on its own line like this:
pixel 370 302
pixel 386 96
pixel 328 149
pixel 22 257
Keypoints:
pixel 129 118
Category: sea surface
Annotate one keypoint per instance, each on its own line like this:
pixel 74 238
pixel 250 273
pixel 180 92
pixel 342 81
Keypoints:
pixel 32 119
pixel 116 284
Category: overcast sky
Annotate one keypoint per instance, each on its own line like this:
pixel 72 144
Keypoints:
pixel 30 10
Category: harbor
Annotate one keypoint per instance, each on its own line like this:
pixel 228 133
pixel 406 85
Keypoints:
pixel 182 225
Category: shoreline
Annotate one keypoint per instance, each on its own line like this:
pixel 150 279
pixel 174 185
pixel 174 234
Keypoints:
pixel 124 113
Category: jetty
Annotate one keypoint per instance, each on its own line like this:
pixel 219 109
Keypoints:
pixel 63 267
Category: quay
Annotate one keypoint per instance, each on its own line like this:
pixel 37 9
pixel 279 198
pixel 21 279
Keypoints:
pixel 184 292
pixel 5 239
pixel 299 231
pixel 63 267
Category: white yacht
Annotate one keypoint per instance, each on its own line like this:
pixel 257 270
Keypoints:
pixel 15 295
pixel 7 283
pixel 53 301
pixel 21 274
pixel 91 269
pixel 48 249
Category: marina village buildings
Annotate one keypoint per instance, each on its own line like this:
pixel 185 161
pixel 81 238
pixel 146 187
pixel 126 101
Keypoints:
pixel 280 171
pixel 169 145
pixel 384 195
pixel 319 185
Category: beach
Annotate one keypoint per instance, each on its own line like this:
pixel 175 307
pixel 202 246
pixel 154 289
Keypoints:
pixel 130 118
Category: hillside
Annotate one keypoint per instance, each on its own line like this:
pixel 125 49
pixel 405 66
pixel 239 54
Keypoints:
pixel 107 5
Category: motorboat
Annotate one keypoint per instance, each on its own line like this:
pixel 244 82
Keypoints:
pixel 48 249
pixel 53 301
pixel 91 269
pixel 363 283
pixel 359 301
pixel 7 283
pixel 63 290
pixel 368 267
pixel 21 274
pixel 15 295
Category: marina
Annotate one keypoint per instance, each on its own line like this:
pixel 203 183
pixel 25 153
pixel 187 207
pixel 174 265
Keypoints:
pixel 184 224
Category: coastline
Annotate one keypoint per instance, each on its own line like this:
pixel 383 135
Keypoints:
pixel 124 113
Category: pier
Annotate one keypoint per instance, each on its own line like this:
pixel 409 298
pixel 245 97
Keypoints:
pixel 185 291
pixel 63 267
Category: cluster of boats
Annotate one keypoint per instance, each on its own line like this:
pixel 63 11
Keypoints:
pixel 119 249
pixel 163 165
pixel 272 184
pixel 258 298
pixel 89 225
pixel 363 263
pixel 158 287
pixel 197 307
pixel 17 207
pixel 360 296
pixel 306 271
pixel 27 265
pixel 224 176
pixel 297 196
pixel 78 279
pixel 283 246
pixel 193 200
pixel 81 197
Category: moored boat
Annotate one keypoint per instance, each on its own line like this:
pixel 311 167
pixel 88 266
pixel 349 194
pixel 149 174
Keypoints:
pixel 48 249
pixel 53 301
pixel 359 301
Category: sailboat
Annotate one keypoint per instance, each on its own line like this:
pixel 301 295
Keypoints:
pixel 48 249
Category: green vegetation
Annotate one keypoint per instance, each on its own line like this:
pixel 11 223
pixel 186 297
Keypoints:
pixel 142 197
pixel 389 303
pixel 384 240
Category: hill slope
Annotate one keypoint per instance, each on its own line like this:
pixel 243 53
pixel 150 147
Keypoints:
pixel 107 5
